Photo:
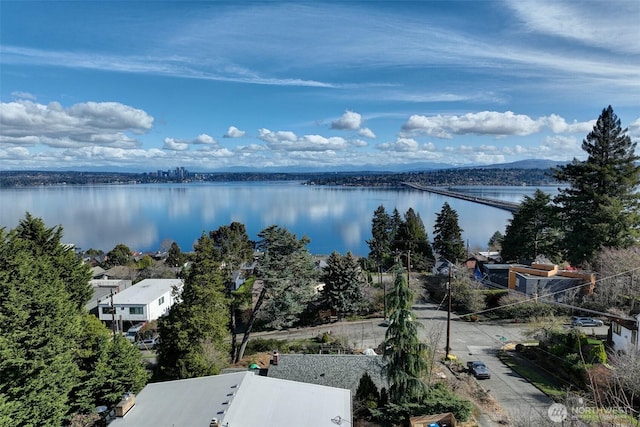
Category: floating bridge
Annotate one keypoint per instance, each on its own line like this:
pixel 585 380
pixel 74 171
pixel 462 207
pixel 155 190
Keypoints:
pixel 500 204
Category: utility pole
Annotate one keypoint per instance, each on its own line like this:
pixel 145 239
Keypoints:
pixel 408 268
pixel 448 348
pixel 113 315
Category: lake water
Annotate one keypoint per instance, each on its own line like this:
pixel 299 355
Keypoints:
pixel 334 218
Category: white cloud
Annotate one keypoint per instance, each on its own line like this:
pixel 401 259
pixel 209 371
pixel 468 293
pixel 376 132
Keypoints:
pixel 23 95
pixel 205 139
pixel 611 25
pixel 562 146
pixel 634 129
pixel 84 124
pixel 175 145
pixel 400 144
pixel 358 143
pixel 558 124
pixel 234 132
pixel 288 141
pixel 481 123
pixel 490 123
pixel 276 137
pixel 366 133
pixel 348 121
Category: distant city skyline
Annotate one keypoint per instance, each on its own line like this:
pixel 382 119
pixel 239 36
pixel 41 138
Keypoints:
pixel 146 86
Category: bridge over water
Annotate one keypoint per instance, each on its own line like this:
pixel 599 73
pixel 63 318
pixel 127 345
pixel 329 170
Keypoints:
pixel 500 204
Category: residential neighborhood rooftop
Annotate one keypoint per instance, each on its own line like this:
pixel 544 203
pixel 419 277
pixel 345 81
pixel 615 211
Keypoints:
pixel 237 399
pixel 146 290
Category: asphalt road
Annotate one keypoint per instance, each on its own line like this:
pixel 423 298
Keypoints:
pixel 468 341
pixel 481 341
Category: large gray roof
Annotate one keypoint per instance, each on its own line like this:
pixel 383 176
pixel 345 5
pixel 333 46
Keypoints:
pixel 237 400
pixel 334 370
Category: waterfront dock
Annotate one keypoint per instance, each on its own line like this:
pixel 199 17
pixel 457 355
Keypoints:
pixel 500 204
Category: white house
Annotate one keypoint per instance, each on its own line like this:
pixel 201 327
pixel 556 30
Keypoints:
pixel 143 302
pixel 624 334
pixel 238 399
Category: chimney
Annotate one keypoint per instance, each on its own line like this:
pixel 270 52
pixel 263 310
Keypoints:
pixel 125 405
pixel 274 358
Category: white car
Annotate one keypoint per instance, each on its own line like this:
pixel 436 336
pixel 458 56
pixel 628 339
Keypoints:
pixel 148 344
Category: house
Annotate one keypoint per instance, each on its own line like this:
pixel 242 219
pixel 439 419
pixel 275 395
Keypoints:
pixel 333 370
pixel 238 399
pixel 538 279
pixel 102 289
pixel 143 302
pixel 624 334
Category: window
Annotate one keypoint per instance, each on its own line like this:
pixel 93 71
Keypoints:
pixel 135 310
pixel 161 300
pixel 106 310
pixel 616 328
pixel 634 337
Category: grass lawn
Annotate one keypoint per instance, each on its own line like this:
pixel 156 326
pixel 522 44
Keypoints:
pixel 543 382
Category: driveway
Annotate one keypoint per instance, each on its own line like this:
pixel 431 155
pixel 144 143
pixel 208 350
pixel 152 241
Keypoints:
pixel 481 341
pixel 468 341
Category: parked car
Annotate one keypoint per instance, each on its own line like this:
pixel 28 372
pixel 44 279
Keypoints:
pixel 586 321
pixel 148 344
pixel 478 369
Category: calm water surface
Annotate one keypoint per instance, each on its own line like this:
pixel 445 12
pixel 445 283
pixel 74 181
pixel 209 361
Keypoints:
pixel 334 218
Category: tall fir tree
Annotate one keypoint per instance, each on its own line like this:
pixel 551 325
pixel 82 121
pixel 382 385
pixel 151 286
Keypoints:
pixel 600 207
pixel 447 235
pixel 532 231
pixel 48 346
pixel 343 284
pixel 194 332
pixel 232 248
pixel 406 364
pixel 380 242
pixel 412 237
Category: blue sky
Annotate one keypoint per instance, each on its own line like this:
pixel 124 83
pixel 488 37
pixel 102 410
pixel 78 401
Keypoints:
pixel 212 85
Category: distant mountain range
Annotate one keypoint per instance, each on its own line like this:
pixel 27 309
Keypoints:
pixel 408 167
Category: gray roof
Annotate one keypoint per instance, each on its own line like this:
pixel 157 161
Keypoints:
pixel 146 291
pixel 334 370
pixel 236 400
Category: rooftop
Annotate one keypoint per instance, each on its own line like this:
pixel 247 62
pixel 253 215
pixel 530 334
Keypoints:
pixel 145 291
pixel 334 370
pixel 237 399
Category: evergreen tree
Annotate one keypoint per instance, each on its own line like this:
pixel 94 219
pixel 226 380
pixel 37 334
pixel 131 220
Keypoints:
pixel 110 366
pixel 343 282
pixel 412 237
pixel 532 231
pixel 405 356
pixel 495 242
pixel 288 274
pixel 175 257
pixel 380 242
pixel 39 325
pixel 49 345
pixel 47 242
pixel 194 332
pixel 447 235
pixel 396 223
pixel 600 208
pixel 232 248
